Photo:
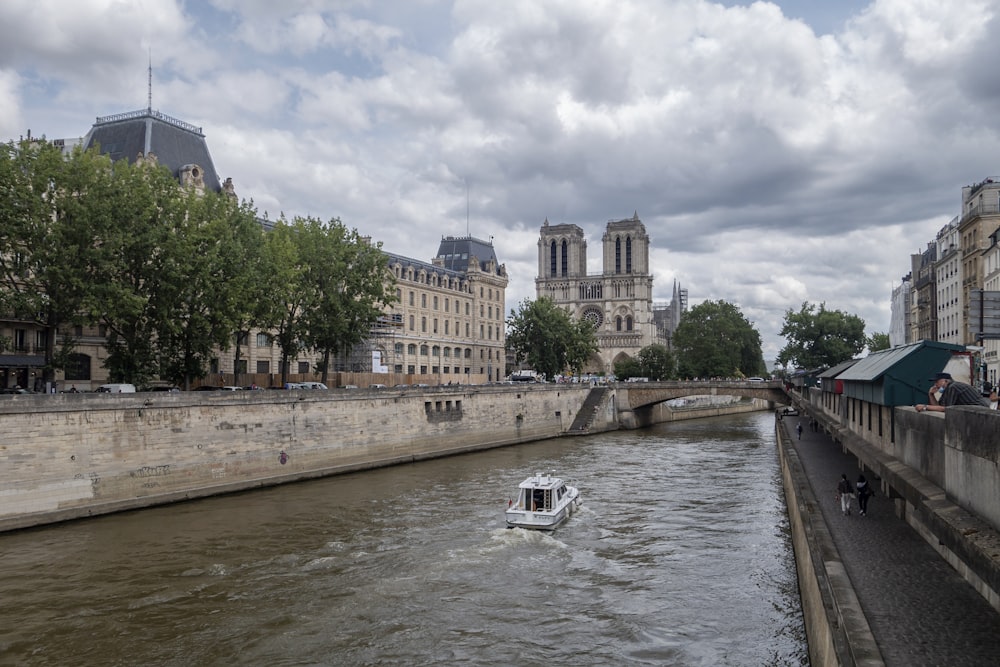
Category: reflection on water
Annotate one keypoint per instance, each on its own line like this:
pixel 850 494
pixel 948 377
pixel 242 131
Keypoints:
pixel 680 555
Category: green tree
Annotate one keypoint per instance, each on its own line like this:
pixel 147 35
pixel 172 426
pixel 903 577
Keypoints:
pixel 714 339
pixel 820 338
pixel 546 336
pixel 50 204
pixel 287 300
pixel 139 222
pixel 350 283
pixel 627 367
pixel 583 344
pixel 877 341
pixel 207 277
pixel 656 362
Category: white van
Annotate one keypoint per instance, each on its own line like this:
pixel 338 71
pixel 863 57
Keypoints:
pixel 116 389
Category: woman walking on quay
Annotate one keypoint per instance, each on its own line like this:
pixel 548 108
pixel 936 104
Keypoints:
pixel 845 492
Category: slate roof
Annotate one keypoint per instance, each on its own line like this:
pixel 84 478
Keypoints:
pixel 175 143
pixel 455 252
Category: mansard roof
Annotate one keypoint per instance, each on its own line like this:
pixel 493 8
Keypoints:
pixel 175 144
pixel 455 251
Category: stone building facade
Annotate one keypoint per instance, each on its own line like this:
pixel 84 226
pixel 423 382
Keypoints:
pixel 618 300
pixel 449 314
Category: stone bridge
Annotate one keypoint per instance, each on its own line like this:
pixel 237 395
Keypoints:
pixel 639 397
pixel 641 394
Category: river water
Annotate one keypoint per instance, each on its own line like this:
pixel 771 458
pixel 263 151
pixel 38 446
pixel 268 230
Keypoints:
pixel 680 556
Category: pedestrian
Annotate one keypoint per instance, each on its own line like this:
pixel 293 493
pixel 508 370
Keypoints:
pixel 798 429
pixel 946 392
pixel 846 493
pixel 864 491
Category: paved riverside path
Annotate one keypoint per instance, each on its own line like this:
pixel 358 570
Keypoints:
pixel 921 612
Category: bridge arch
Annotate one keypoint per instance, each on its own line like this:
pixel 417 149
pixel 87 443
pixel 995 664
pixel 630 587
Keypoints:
pixel 636 400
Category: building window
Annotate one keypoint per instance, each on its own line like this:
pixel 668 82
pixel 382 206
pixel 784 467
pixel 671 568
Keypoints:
pixel 263 340
pixel 435 325
pixel 618 324
pixel 423 324
pixel 447 306
pixel 447 324
pixel 411 369
pixel 618 255
pixel 78 367
pixel 628 254
pixel 411 297
pixel 398 348
pixel 552 259
pixel 411 322
pixel 303 367
pixel 565 258
pixel 263 366
pixel 423 352
pixel 411 348
pixel 423 300
pixel 628 323
pixel 435 303
pixel 423 370
pixel 435 352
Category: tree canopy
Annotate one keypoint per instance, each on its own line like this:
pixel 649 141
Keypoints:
pixel 548 338
pixel 820 338
pixel 169 273
pixel 655 362
pixel 714 339
pixel 877 341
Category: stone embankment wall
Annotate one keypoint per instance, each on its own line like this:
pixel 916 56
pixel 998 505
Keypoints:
pixel 73 455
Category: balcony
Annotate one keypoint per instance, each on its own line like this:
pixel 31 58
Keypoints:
pixel 981 210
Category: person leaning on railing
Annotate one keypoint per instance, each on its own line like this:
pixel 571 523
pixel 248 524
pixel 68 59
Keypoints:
pixel 946 392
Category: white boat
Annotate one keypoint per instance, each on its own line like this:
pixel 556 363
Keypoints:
pixel 543 503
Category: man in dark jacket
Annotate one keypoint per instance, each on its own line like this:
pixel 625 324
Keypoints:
pixel 946 391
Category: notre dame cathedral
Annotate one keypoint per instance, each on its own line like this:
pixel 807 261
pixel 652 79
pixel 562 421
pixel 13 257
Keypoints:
pixel 619 300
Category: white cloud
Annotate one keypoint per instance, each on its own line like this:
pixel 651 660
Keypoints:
pixel 771 163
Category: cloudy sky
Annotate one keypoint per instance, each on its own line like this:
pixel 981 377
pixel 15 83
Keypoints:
pixel 777 152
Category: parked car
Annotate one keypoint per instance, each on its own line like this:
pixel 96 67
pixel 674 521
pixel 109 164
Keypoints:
pixel 310 385
pixel 116 388
pixel 376 386
pixel 232 388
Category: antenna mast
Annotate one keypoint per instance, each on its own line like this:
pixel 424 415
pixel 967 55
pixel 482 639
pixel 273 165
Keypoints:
pixel 149 85
pixel 467 232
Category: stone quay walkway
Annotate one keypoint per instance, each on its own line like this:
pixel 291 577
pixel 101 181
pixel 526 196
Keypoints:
pixel 921 612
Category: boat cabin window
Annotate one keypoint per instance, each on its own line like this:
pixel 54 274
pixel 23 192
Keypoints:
pixel 540 499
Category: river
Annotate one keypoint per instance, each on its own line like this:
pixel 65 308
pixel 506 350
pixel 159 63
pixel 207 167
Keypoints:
pixel 681 555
